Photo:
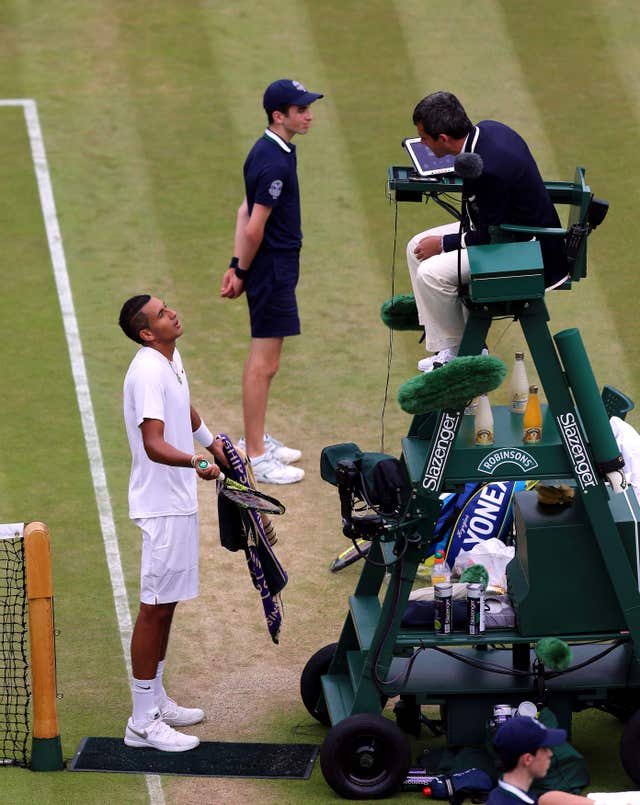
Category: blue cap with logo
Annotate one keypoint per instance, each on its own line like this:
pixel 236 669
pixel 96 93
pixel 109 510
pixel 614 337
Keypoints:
pixel 522 734
pixel 286 92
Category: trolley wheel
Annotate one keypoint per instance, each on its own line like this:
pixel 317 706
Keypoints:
pixel 365 757
pixel 311 686
pixel 630 747
pixel 622 702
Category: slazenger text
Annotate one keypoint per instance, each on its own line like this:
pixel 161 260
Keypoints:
pixel 577 450
pixel 438 458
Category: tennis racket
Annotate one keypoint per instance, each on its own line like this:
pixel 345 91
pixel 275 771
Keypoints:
pixel 243 495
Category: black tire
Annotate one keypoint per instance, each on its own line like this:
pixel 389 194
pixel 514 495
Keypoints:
pixel 630 747
pixel 365 757
pixel 311 686
pixel 622 702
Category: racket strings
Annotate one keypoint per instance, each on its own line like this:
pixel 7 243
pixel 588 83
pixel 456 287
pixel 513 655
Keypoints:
pixel 249 500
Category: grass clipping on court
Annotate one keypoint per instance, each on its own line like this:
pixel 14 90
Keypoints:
pixel 452 385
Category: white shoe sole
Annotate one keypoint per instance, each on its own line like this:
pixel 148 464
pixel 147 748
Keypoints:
pixel 140 743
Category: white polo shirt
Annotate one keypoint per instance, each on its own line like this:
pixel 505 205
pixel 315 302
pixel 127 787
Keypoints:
pixel 153 390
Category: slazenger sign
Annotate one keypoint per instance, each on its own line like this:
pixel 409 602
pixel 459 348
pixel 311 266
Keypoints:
pixel 440 448
pixel 507 455
pixel 577 451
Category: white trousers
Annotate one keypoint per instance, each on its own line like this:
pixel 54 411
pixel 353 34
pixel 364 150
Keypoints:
pixel 435 287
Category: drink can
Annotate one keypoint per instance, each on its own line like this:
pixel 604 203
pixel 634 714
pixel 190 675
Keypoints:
pixel 502 713
pixel 527 708
pixel 475 609
pixel 443 604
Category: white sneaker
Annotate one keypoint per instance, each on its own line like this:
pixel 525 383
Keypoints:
pixel 268 470
pixel 176 716
pixel 285 455
pixel 155 734
pixel 442 357
pixel 438 359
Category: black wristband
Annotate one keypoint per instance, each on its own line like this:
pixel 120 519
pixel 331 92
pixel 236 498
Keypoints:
pixel 234 262
pixel 241 273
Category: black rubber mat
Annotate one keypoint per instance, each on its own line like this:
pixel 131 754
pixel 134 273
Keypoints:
pixel 210 759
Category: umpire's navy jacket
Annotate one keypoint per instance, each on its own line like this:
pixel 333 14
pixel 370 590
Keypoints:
pixel 510 190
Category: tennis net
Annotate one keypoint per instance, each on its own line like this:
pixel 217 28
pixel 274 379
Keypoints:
pixel 15 690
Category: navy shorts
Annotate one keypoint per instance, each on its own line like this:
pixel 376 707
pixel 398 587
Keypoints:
pixel 271 294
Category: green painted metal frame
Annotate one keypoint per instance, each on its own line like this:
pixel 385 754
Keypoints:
pixel 440 452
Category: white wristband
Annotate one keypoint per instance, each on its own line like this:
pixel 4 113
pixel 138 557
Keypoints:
pixel 203 435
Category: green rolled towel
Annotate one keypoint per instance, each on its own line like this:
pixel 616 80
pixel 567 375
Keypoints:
pixel 475 574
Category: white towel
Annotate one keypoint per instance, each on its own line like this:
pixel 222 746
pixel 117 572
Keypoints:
pixel 628 440
pixel 616 798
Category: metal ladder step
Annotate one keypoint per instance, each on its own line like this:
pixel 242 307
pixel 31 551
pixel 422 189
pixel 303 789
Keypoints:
pixel 338 696
pixel 365 612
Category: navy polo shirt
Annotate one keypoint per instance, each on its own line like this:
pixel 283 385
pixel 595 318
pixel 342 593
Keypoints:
pixel 271 179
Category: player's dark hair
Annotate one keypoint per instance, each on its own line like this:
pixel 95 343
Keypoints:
pixel 284 108
pixel 132 319
pixel 442 113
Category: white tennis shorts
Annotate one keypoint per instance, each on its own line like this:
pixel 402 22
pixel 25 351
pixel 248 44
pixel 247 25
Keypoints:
pixel 169 565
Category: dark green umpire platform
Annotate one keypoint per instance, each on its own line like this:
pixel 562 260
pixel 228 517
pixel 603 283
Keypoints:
pixel 574 573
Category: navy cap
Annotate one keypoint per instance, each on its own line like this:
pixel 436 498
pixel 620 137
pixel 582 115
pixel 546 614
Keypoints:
pixel 522 734
pixel 286 92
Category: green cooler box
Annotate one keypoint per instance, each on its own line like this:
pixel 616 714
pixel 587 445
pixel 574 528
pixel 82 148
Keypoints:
pixel 557 581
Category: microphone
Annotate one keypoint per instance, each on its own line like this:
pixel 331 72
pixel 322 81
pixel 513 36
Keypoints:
pixel 468 166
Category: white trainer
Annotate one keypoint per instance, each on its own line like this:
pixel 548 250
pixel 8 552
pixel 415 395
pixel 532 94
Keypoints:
pixel 176 716
pixel 285 455
pixel 155 734
pixel 442 357
pixel 438 359
pixel 268 470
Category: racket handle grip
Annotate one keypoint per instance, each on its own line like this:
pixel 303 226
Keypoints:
pixel 203 464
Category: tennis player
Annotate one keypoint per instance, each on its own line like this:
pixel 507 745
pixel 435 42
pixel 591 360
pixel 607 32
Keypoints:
pixel 161 425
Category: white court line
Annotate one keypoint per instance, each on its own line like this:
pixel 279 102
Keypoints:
pixel 83 394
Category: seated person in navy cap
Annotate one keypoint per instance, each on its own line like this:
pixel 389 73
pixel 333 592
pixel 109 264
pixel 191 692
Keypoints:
pixel 525 749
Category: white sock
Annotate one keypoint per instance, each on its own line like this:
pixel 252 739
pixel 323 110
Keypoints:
pixel 144 699
pixel 255 459
pixel 160 692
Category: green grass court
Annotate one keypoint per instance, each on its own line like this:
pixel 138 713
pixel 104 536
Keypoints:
pixel 147 111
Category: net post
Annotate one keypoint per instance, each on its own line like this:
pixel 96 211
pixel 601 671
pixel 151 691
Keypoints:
pixel 46 748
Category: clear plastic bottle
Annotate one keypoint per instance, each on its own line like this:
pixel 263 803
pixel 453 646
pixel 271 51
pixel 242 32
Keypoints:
pixel 532 419
pixel 518 385
pixel 484 421
pixel 440 571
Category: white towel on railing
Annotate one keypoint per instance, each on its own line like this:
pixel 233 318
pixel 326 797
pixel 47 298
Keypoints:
pixel 628 440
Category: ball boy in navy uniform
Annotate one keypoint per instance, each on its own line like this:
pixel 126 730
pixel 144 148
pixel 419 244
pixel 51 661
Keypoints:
pixel 525 749
pixel 265 264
